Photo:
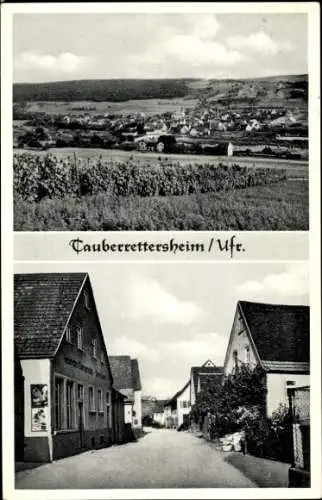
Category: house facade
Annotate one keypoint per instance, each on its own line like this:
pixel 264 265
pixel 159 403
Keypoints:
pixel 159 414
pixel 127 381
pixel 68 383
pixel 275 337
pixel 201 376
pixel 177 409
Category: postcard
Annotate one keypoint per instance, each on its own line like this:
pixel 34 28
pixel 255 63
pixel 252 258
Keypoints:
pixel 161 250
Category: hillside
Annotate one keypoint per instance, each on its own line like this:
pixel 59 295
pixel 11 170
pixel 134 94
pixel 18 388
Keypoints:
pixel 260 92
pixel 271 91
pixel 99 90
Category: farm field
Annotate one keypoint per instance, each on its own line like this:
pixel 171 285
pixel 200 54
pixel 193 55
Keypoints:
pixel 56 194
pixel 149 107
pixel 295 168
pixel 277 207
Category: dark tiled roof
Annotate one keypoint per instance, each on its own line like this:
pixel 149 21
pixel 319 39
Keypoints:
pixel 125 372
pixel 286 366
pixel 42 305
pixel 159 405
pixel 280 332
pixel 136 375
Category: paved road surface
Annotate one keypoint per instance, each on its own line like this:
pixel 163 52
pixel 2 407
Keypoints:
pixel 161 459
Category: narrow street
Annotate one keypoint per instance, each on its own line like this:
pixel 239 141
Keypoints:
pixel 161 459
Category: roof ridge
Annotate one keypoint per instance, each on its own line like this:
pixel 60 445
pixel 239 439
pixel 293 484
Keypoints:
pixel 272 304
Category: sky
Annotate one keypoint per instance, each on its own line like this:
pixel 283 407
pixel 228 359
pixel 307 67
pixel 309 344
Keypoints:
pixel 53 47
pixel 174 316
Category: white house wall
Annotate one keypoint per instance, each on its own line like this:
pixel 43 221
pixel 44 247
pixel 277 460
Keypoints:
pixel 159 417
pixel 35 371
pixel 192 392
pixel 277 388
pixel 137 408
pixel 239 342
pixel 184 397
pixel 128 412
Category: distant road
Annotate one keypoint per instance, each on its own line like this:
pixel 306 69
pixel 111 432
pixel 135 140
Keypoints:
pixel 295 168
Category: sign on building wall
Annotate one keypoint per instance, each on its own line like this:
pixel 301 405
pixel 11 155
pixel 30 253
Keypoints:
pixel 39 407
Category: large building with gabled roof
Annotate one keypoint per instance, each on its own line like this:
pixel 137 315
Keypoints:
pixel 202 376
pixel 70 403
pixel 275 337
pixel 127 381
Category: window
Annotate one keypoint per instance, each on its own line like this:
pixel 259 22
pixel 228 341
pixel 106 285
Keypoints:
pixel 86 301
pixel 91 399
pixel 70 414
pixel 247 354
pixel 80 392
pixel 100 401
pixel 80 338
pixel 94 348
pixel 59 396
pixel 102 357
pixel 68 335
pixel 108 414
pixel 235 355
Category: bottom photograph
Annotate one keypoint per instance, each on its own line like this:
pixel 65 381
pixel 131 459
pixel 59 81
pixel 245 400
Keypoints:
pixel 161 375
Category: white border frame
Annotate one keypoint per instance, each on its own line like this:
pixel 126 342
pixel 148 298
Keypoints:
pixel 312 9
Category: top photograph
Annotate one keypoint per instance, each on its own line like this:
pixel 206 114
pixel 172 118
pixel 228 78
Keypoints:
pixel 160 122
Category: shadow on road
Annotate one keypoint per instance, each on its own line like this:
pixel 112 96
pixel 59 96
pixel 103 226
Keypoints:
pixel 20 466
pixel 263 472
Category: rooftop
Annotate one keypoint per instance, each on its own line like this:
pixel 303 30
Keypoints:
pixel 42 305
pixel 281 333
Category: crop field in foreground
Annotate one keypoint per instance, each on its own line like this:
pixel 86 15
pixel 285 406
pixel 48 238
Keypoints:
pixel 295 168
pixel 274 207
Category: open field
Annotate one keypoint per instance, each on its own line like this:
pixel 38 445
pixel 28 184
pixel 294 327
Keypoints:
pixel 277 207
pixel 296 169
pixel 149 107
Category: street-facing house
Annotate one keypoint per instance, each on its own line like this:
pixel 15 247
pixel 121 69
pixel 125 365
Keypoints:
pixel 68 386
pixel 202 376
pixel 158 414
pixel 177 409
pixel 127 381
pixel 275 337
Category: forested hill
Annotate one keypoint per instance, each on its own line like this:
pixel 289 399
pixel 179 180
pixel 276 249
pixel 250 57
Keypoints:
pixel 99 90
pixel 257 90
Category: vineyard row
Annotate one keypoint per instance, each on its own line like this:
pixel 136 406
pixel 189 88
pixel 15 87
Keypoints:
pixel 38 177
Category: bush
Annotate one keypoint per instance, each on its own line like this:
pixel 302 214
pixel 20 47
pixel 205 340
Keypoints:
pixel 157 425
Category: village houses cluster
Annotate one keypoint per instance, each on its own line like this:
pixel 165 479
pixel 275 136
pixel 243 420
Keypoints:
pixel 83 127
